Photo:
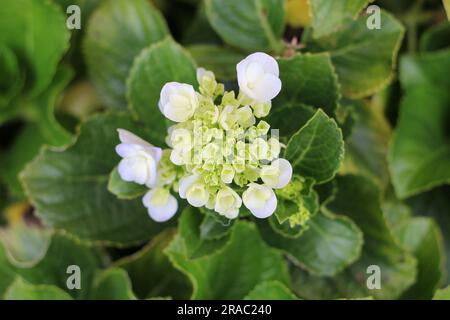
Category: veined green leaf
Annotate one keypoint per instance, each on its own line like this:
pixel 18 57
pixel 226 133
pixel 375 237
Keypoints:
pixel 196 246
pixel 117 32
pixel 317 149
pixel 329 16
pixel 308 79
pixel 22 290
pixel 35 30
pixel 419 156
pixel 364 59
pixel 112 284
pixel 248 24
pixel 329 244
pixel 358 198
pixel 69 188
pixel 271 290
pixel 152 274
pixel 235 270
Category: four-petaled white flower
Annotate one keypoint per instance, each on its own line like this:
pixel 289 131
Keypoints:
pixel 194 191
pixel 260 200
pixel 228 203
pixel 178 101
pixel 139 159
pixel 258 77
pixel 160 204
pixel 278 174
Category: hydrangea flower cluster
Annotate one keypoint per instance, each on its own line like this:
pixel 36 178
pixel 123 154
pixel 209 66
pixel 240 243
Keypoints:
pixel 221 155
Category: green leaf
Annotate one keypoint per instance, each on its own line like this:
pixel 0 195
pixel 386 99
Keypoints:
pixel 442 294
pixel 425 69
pixel 422 237
pixel 359 199
pixel 309 79
pixel 329 16
pixel 213 228
pixel 35 30
pixel 22 290
pixel 69 188
pixel 160 63
pixel 328 245
pixel 52 268
pixel 12 79
pixel 235 270
pixel 152 274
pixel 317 149
pixel 112 284
pixel 435 204
pixel 197 244
pixel 419 156
pixel 358 52
pixel 221 60
pixel 366 147
pixel 436 38
pixel 117 32
pixel 23 149
pixel 7 272
pixel 248 24
pixel 42 129
pixel 41 110
pixel 277 119
pixel 271 290
pixel 123 189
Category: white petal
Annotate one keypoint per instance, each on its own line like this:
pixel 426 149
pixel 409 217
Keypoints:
pixel 124 171
pixel 160 213
pixel 127 150
pixel 267 88
pixel 176 157
pixel 255 72
pixel 152 174
pixel 155 152
pixel 268 209
pixel 269 64
pixel 256 207
pixel 285 172
pixel 185 183
pixel 126 136
pixel 165 92
pixel 197 201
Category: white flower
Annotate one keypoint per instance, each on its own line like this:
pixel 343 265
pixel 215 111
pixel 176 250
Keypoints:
pixel 274 148
pixel 260 200
pixel 278 174
pixel 259 149
pixel 227 173
pixel 245 117
pixel 160 204
pixel 258 77
pixel 262 109
pixel 228 203
pixel 192 189
pixel 203 74
pixel 227 118
pixel 181 138
pixel 178 101
pixel 140 159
